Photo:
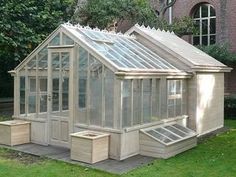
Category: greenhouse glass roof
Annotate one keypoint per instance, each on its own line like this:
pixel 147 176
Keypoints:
pixel 122 51
pixel 189 53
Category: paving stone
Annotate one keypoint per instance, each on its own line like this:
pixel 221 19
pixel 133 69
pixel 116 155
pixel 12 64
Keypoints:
pixel 63 154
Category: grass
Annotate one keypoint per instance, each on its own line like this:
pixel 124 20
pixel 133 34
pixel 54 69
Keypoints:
pixel 215 157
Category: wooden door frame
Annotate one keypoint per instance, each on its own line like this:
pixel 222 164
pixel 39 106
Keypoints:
pixel 71 50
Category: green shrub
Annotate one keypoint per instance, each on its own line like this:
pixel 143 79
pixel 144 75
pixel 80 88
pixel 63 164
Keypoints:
pixel 220 52
pixel 230 107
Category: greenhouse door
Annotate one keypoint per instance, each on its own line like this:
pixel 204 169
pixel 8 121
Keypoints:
pixel 58 96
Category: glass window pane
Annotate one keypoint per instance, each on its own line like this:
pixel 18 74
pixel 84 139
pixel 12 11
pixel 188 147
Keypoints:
pixel 196 40
pixel 171 87
pixel 32 64
pixel 175 94
pixel 213 26
pixel 43 103
pixel 32 84
pixel 204 27
pixel 156 100
pixel 43 85
pixel 83 65
pixel 95 68
pixel 43 58
pixel 55 94
pixel 82 92
pixel 126 96
pixel 178 86
pixel 204 40
pixel 55 81
pixel 65 57
pixel 137 104
pixel 197 25
pixel 66 40
pixel 65 93
pixel 197 13
pixel 212 39
pixel 178 107
pixel 22 95
pixel 147 90
pixel 213 12
pixel 32 104
pixel 171 108
pixel 204 10
pixel 109 97
pixel 55 41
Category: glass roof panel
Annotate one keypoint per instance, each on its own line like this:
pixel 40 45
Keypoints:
pixel 97 36
pixel 184 129
pixel 127 53
pixel 157 60
pixel 176 131
pixel 122 51
pixel 124 56
pixel 159 136
pixel 138 53
pixel 169 134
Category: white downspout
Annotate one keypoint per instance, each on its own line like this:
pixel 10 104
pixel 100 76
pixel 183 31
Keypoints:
pixel 170 14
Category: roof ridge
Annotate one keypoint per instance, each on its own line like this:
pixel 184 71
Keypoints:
pixel 154 29
pixel 96 29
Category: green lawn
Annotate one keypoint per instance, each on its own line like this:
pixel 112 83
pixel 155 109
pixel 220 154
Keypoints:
pixel 215 157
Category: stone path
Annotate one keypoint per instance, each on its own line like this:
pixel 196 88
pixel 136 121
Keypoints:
pixel 63 154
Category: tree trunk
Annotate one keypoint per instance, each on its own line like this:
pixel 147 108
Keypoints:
pixel 164 5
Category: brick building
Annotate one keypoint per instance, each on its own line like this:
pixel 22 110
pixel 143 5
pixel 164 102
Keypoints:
pixel 216 22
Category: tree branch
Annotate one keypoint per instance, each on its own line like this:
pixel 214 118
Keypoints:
pixel 165 5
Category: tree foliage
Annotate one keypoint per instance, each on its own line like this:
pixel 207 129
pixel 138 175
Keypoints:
pixel 220 52
pixel 103 13
pixel 23 25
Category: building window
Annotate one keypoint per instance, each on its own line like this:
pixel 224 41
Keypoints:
pixel 205 19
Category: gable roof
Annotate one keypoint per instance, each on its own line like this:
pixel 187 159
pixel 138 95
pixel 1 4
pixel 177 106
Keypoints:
pixel 119 52
pixel 124 52
pixel 185 52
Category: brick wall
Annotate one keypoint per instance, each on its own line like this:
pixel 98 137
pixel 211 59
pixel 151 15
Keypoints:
pixel 225 14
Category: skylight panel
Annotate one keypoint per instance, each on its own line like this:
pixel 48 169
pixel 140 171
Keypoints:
pixel 157 60
pixel 124 54
pixel 97 36
pixel 169 134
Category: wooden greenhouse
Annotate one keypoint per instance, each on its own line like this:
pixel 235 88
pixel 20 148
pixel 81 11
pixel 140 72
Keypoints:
pixel 149 90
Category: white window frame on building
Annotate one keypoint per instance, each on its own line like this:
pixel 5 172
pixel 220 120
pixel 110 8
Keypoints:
pixel 207 33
